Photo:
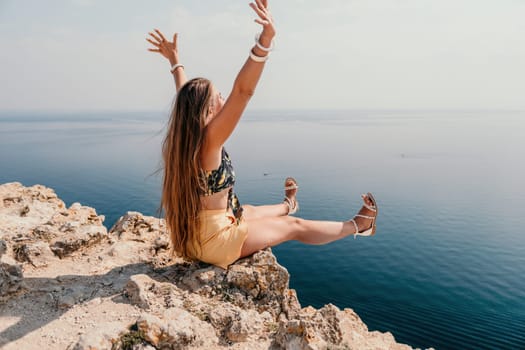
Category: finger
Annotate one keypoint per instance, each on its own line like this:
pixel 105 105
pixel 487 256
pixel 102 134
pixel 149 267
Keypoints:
pixel 257 10
pixel 156 37
pixel 152 42
pixel 261 22
pixel 260 5
pixel 151 37
pixel 265 3
pixel 175 39
pixel 160 34
pixel 154 50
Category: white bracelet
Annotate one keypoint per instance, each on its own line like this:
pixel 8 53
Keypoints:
pixel 175 66
pixel 258 58
pixel 258 44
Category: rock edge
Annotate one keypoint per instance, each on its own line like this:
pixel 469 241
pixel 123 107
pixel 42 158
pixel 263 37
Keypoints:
pixel 68 283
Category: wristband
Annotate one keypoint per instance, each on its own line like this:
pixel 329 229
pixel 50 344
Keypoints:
pixel 258 58
pixel 175 66
pixel 258 44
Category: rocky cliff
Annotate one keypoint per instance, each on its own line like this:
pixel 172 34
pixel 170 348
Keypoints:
pixel 68 283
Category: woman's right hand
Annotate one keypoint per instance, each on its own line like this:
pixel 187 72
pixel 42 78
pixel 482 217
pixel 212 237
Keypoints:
pixel 166 48
pixel 265 19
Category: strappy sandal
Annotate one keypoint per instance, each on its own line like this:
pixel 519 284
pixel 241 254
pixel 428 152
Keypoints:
pixel 293 205
pixel 372 230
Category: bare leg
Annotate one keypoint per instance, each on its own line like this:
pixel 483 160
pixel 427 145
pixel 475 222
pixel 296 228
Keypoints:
pixel 271 231
pixel 260 211
pixel 256 212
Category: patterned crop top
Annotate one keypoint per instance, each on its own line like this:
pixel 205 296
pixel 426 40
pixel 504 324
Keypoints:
pixel 217 180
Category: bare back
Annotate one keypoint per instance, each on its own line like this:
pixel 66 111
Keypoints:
pixel 211 160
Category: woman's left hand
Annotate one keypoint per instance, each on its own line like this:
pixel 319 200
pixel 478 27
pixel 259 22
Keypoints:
pixel 166 48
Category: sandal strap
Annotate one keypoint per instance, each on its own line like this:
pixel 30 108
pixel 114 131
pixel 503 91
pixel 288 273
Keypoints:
pixel 289 185
pixel 356 228
pixel 292 205
pixel 369 207
pixel 366 217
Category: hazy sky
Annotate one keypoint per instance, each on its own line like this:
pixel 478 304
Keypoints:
pixel 91 54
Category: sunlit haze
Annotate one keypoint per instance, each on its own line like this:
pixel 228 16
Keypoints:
pixel 92 54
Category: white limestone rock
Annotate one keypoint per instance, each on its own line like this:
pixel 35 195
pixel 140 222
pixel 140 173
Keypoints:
pixel 106 290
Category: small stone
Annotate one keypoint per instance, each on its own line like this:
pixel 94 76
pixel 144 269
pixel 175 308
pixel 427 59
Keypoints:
pixel 25 211
pixel 11 278
pixel 66 302
pixel 3 247
pixel 72 296
pixel 75 206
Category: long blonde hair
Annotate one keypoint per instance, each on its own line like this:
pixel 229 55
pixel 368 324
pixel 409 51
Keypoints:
pixel 181 155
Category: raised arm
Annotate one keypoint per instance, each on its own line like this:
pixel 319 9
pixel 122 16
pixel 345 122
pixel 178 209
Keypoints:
pixel 169 50
pixel 223 124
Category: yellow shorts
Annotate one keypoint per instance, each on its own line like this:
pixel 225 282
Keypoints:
pixel 222 237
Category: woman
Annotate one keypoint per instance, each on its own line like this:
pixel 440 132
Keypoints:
pixel 205 219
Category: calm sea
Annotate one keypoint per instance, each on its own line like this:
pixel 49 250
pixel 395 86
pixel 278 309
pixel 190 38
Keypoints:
pixel 447 266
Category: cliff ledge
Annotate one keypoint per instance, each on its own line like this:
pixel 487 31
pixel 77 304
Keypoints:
pixel 68 283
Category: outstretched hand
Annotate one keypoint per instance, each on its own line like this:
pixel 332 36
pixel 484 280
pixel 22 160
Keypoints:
pixel 166 48
pixel 265 18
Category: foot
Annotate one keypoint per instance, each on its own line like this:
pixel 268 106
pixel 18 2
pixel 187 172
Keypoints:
pixel 365 221
pixel 290 192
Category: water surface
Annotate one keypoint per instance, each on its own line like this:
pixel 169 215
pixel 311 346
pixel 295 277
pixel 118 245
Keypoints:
pixel 446 268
